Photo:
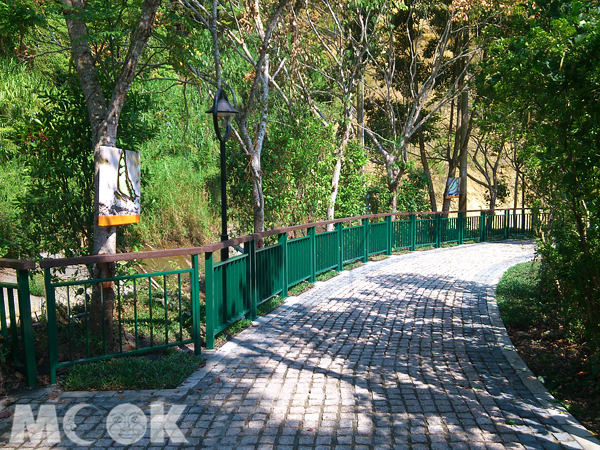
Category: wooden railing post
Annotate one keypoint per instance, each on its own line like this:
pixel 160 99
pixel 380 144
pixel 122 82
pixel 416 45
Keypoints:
pixel 506 230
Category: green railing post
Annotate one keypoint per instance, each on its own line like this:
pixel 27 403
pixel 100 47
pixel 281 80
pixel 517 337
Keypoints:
pixel 209 286
pixel 506 231
pixel 284 263
pixel 251 275
pixel 196 305
pixel 413 232
pixel 52 325
pixel 365 224
pixel 461 221
pixel 26 327
pixel 438 230
pixel 313 255
pixel 482 227
pixel 388 227
pixel 339 227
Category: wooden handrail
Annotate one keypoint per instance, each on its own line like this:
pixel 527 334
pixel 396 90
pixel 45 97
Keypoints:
pixel 209 248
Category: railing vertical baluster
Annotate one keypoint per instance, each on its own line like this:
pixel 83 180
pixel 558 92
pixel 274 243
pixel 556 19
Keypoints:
pixel 506 233
pixel 179 308
pixel 135 314
pixel 13 324
pixel 3 325
pixel 365 224
pixel 26 326
pixel 284 263
pixel 120 317
pixel 69 324
pixel 195 292
pixel 461 221
pixel 166 298
pixel 313 254
pixel 87 322
pixel 52 326
pixel 209 277
pixel 103 318
pixel 150 301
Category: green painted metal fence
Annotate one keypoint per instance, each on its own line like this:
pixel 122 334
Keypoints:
pixel 16 328
pixel 162 309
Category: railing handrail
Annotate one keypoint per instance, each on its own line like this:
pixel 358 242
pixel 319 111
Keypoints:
pixel 188 251
pixel 17 264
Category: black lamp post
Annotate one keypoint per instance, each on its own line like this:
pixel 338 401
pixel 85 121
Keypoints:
pixel 222 109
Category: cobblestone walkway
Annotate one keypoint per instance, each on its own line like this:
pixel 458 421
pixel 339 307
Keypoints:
pixel 404 353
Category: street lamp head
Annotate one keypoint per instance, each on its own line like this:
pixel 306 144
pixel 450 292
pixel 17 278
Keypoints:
pixel 222 108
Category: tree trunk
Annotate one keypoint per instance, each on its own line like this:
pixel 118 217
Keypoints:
pixel 258 200
pixel 425 163
pixel 104 120
pixel 335 178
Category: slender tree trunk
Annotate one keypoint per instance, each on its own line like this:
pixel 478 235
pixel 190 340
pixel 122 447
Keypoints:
pixel 425 163
pixel 335 177
pixel 258 200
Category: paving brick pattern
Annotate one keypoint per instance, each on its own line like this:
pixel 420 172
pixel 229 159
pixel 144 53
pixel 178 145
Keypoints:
pixel 404 353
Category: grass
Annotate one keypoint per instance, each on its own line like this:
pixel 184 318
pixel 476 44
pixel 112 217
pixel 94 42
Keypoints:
pixel 518 296
pixel 164 371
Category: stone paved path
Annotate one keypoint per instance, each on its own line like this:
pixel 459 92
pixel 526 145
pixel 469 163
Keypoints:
pixel 404 353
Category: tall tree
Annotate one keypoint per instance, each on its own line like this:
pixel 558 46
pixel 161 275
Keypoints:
pixel 249 33
pixel 104 116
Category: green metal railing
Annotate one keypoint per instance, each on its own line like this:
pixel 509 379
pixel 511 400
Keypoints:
pixel 151 311
pixel 16 330
pixel 162 309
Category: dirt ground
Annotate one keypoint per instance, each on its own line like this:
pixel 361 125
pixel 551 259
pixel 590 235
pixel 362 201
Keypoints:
pixel 566 369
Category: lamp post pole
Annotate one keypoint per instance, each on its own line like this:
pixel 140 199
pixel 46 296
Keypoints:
pixel 224 236
pixel 222 109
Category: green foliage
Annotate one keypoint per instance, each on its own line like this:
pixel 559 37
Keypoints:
pixel 544 81
pixel 57 207
pixel 142 372
pixel 412 194
pixel 296 163
pixel 19 103
pixel 352 189
pixel 17 18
